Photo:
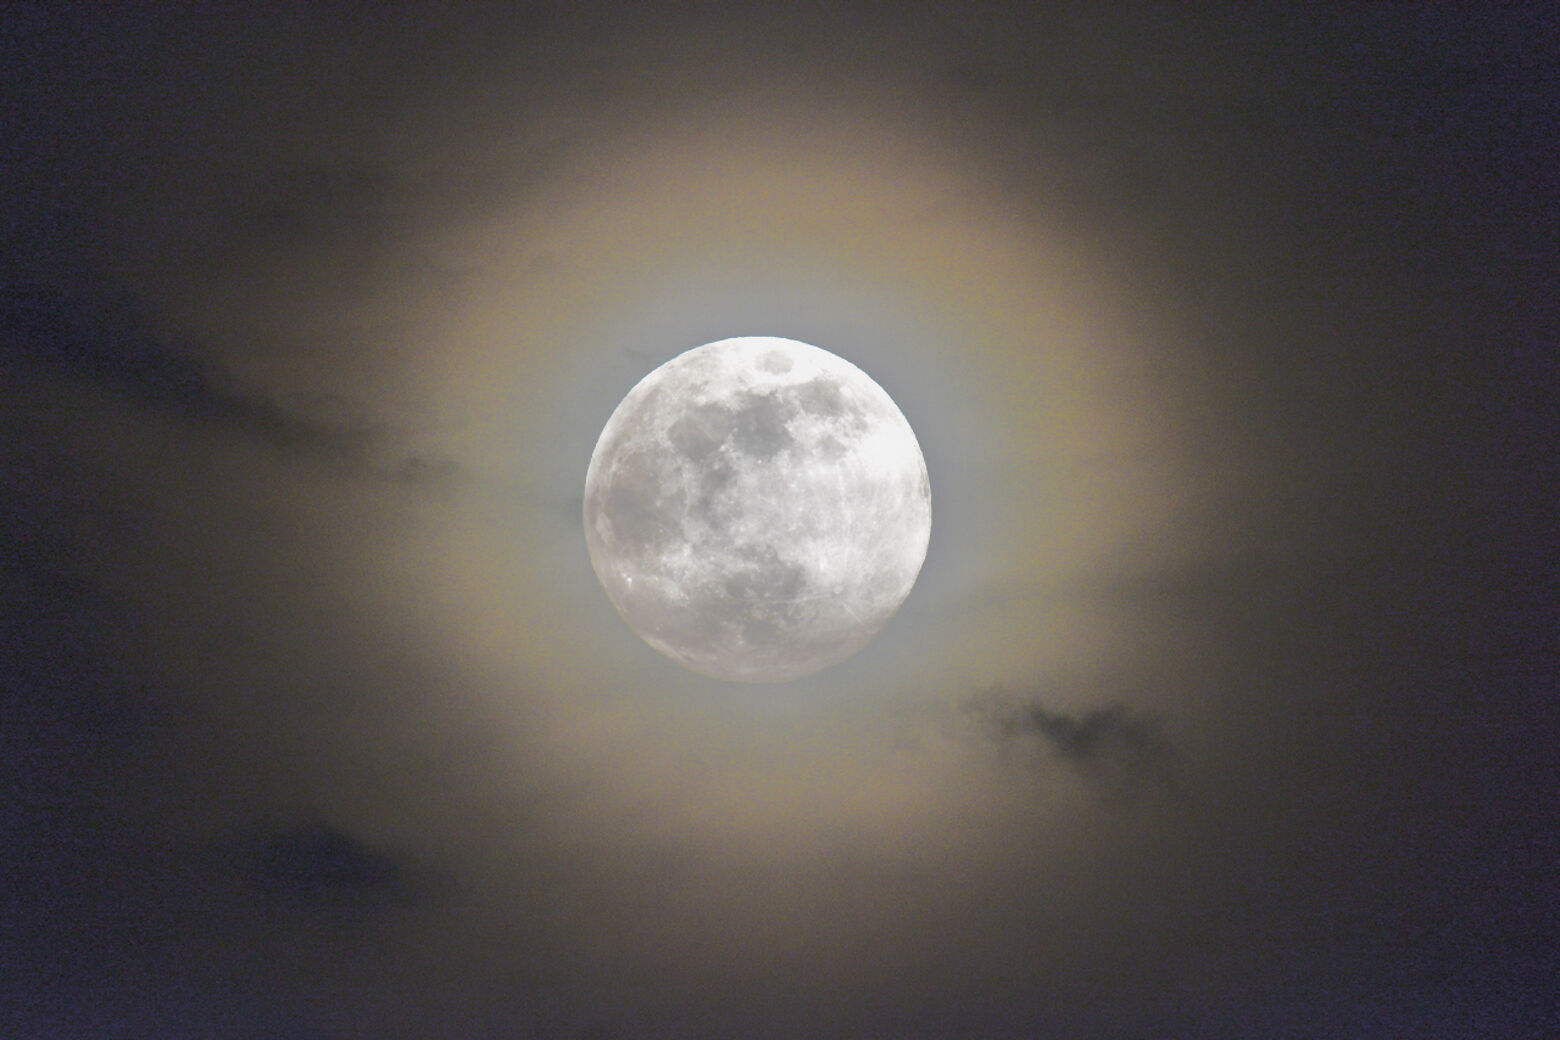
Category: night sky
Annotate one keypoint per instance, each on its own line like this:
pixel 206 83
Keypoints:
pixel 1225 705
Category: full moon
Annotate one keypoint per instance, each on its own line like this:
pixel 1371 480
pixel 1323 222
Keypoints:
pixel 757 509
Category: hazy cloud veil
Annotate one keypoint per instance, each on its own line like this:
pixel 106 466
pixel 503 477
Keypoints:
pixel 1222 706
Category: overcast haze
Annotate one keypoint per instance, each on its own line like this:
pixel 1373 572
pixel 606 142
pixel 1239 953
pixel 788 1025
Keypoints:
pixel 1224 706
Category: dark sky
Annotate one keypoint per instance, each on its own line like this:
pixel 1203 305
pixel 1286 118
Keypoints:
pixel 1226 703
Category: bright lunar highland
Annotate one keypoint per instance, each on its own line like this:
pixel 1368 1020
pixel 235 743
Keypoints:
pixel 757 509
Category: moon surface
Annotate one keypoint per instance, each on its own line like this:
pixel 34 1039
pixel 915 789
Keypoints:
pixel 757 509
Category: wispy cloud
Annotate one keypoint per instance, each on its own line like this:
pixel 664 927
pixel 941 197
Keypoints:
pixel 1122 753
pixel 100 339
pixel 322 867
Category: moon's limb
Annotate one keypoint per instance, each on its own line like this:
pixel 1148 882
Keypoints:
pixel 757 509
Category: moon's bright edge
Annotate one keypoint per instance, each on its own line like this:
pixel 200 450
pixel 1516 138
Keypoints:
pixel 757 509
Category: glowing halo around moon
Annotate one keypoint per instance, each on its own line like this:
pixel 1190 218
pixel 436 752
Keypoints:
pixel 757 509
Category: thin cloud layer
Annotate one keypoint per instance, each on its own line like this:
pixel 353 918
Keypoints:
pixel 1224 332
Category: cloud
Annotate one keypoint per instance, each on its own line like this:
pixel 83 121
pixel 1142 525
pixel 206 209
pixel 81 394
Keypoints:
pixel 319 866
pixel 1121 753
pixel 100 339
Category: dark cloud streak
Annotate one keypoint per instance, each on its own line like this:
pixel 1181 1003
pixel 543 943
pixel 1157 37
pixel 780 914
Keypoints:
pixel 322 867
pixel 101 339
pixel 1122 753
